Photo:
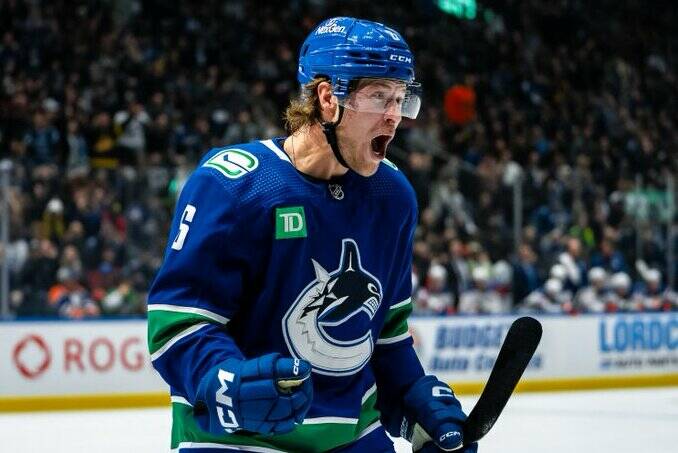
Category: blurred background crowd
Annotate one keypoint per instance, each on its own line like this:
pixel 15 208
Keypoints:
pixel 561 115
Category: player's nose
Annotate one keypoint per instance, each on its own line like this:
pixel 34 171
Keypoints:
pixel 393 116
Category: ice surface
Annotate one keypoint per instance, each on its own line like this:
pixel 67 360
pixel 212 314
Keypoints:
pixel 613 421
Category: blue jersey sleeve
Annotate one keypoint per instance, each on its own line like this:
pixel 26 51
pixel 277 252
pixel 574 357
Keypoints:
pixel 197 289
pixel 395 364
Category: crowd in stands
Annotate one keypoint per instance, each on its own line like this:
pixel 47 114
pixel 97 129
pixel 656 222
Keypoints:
pixel 106 107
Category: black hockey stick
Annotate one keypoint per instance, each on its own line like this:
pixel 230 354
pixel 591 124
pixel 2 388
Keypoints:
pixel 515 354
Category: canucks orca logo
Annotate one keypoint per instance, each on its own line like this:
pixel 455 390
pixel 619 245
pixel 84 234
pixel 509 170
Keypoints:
pixel 329 323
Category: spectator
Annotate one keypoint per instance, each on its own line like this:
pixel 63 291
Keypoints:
pixel 122 300
pixel 39 273
pixel 570 122
pixel 130 126
pixel 77 157
pixel 106 276
pixel 70 259
pixel 101 139
pixel 70 298
pixel 42 140
pixel 52 225
pixel 609 258
pixel 525 274
pixel 574 264
pixel 457 270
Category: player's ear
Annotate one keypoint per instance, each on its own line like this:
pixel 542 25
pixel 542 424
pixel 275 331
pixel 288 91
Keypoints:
pixel 327 101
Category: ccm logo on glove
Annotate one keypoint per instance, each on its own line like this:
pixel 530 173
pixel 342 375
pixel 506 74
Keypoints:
pixel 265 395
pixel 441 391
pixel 433 418
pixel 448 435
pixel 231 424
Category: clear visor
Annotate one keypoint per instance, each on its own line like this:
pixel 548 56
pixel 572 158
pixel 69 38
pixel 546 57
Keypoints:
pixel 384 97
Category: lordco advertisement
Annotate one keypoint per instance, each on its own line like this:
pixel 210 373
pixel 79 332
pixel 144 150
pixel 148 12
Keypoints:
pixel 464 348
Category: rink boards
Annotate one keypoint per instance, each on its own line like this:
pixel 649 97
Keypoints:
pixel 583 352
pixel 47 365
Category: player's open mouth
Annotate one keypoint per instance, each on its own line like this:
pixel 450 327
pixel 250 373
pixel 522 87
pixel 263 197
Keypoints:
pixel 379 144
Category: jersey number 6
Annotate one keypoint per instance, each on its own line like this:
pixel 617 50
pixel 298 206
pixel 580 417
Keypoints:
pixel 186 218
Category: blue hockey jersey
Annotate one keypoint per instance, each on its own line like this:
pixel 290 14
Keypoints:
pixel 262 258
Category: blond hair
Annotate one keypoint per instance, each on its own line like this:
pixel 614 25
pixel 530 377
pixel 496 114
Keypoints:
pixel 304 110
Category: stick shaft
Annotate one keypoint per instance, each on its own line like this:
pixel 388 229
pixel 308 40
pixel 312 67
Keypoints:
pixel 515 354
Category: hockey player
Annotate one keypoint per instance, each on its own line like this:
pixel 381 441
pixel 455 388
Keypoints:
pixel 591 298
pixel 549 299
pixel 434 297
pixel 620 298
pixel 279 315
pixel 651 296
pixel 481 298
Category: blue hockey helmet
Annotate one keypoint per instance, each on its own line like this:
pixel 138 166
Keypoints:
pixel 345 50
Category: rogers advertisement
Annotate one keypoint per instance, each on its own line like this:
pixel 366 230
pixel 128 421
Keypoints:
pixel 52 358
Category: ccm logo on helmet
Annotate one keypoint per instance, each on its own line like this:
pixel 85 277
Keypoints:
pixel 400 58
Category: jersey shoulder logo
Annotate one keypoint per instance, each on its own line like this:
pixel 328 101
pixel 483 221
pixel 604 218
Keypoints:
pixel 329 324
pixel 233 163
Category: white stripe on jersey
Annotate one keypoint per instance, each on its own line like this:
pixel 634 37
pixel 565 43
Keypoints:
pixel 273 147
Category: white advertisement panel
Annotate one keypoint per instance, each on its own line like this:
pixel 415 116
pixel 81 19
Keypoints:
pixel 464 348
pixel 76 357
pixel 90 357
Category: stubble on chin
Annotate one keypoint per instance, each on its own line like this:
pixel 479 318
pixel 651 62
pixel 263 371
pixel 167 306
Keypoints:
pixel 366 168
pixel 362 165
pixel 358 162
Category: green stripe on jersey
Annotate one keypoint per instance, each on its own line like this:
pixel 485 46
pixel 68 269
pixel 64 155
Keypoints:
pixel 315 437
pixel 163 325
pixel 396 320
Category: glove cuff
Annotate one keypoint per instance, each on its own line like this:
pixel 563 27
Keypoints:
pixel 221 417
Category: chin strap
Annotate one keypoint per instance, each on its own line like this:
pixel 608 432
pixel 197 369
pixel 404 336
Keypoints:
pixel 330 130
